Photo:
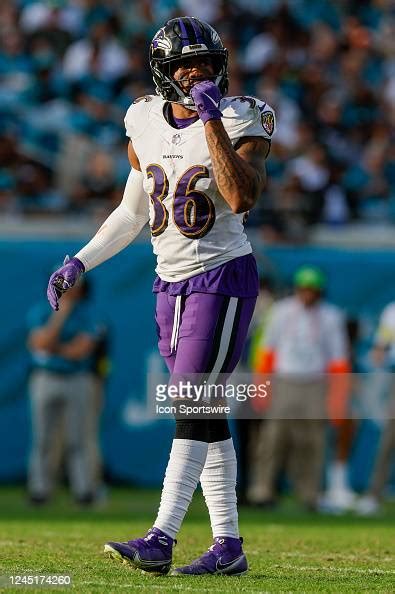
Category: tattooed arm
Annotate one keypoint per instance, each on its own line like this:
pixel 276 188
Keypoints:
pixel 239 171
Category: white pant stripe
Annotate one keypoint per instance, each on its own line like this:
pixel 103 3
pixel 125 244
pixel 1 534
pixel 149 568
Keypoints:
pixel 225 339
pixel 176 324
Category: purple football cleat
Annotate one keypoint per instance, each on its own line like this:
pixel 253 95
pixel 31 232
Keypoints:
pixel 224 557
pixel 152 554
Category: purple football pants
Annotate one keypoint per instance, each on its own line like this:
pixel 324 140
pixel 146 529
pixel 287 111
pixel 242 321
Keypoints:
pixel 202 332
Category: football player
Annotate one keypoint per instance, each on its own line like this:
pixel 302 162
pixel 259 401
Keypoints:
pixel 198 165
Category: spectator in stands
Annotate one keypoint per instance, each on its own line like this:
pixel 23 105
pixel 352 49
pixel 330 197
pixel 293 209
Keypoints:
pixel 8 204
pixel 100 53
pixel 305 340
pixel 324 66
pixel 97 184
pixel 62 388
pixel 35 191
pixel 383 355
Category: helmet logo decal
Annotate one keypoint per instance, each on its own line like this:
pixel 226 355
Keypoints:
pixel 161 41
pixel 164 44
pixel 215 37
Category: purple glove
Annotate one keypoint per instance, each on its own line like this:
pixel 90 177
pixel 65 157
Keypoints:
pixel 206 97
pixel 62 279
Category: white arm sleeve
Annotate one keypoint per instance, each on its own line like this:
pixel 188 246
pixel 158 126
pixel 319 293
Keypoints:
pixel 121 227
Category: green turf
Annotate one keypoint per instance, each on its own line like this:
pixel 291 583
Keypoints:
pixel 288 550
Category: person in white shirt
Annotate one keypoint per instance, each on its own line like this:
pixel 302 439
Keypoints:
pixel 305 340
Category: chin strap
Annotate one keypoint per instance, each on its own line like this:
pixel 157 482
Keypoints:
pixel 186 100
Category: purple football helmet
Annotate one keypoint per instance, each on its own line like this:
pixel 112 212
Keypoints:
pixel 182 38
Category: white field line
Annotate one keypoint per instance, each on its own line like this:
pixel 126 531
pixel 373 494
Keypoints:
pixel 172 585
pixel 340 556
pixel 329 568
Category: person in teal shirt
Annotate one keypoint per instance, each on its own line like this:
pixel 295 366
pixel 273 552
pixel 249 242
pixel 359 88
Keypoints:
pixel 62 389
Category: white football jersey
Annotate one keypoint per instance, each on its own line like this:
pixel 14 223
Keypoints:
pixel 193 228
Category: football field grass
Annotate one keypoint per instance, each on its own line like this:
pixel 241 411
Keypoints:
pixel 288 550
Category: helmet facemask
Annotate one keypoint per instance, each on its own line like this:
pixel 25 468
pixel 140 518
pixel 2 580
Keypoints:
pixel 172 90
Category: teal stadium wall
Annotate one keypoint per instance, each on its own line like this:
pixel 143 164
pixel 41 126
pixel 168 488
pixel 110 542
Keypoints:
pixel 135 449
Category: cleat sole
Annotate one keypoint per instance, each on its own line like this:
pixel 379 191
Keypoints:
pixel 175 573
pixel 146 571
pixel 136 562
pixel 114 554
pixel 178 574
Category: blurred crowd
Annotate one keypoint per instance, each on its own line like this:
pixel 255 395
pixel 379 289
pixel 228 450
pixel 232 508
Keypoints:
pixel 70 68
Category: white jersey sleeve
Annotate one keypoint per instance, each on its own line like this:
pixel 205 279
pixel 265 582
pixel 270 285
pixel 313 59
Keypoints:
pixel 137 116
pixel 248 116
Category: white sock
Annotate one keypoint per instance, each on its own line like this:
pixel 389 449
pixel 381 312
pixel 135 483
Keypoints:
pixel 187 458
pixel 218 482
pixel 338 476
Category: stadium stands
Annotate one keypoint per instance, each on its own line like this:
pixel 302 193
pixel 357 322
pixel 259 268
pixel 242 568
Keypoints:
pixel 69 69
